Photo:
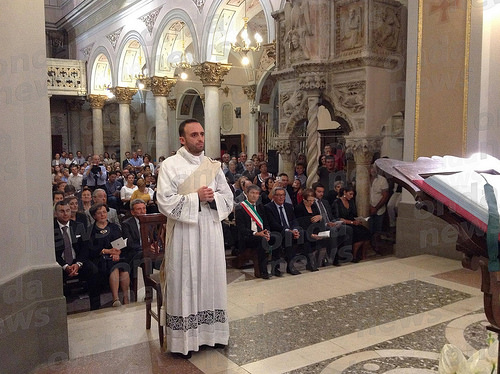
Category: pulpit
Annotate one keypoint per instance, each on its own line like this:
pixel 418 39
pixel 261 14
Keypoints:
pixel 472 237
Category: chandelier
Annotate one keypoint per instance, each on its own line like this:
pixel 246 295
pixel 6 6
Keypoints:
pixel 183 64
pixel 246 44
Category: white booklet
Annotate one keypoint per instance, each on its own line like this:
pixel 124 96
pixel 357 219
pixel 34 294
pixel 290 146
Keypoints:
pixel 324 234
pixel 119 243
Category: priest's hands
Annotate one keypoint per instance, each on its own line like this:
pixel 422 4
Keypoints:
pixel 206 194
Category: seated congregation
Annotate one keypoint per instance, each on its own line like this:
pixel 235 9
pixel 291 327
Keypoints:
pixel 278 224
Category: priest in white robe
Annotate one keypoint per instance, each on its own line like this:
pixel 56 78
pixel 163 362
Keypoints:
pixel 193 193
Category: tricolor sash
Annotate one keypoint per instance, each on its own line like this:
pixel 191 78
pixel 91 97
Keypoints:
pixel 252 212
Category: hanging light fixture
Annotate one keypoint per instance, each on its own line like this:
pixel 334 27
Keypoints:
pixel 246 44
pixel 184 63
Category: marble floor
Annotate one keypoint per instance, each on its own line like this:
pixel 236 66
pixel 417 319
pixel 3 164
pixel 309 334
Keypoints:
pixel 386 315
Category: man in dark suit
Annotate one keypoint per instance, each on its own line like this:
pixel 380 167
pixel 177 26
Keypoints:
pixel 126 162
pixel 252 227
pixel 340 248
pixel 281 219
pixel 131 230
pixel 72 252
pixel 131 226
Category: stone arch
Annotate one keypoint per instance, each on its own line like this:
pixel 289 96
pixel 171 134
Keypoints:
pixel 187 102
pixel 132 60
pixel 190 35
pixel 101 71
pixel 225 20
pixel 337 115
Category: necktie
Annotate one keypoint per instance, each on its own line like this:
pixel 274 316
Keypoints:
pixel 68 251
pixel 283 219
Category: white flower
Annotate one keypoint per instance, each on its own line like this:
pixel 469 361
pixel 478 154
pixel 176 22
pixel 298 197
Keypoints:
pixel 484 361
pixel 450 359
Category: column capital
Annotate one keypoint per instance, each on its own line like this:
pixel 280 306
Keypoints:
pixel 124 94
pixel 363 148
pixel 161 86
pixel 172 104
pixel 97 101
pixel 250 91
pixel 211 73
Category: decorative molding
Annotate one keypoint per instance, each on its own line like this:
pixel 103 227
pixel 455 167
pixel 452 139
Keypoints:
pixel 124 94
pixel 312 82
pixel 351 95
pixel 87 50
pixel 211 73
pixel 250 91
pixel 149 19
pixel 172 104
pixel 161 86
pixel 114 36
pixel 287 146
pixel 66 77
pixel 97 101
pixel 199 4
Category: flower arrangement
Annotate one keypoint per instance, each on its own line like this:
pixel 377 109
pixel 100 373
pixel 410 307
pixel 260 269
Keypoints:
pixel 483 361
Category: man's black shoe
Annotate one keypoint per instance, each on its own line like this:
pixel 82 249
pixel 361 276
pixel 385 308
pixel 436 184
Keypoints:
pixel 292 271
pixel 264 275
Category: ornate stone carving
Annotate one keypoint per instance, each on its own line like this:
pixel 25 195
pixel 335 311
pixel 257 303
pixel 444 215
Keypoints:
pixel 313 82
pixel 86 51
pixel 124 94
pixel 97 101
pixel 172 104
pixel 161 86
pixel 114 36
pixel 66 77
pixel 211 73
pixel 386 26
pixel 199 4
pixel 293 107
pixel 150 19
pixel 351 95
pixel 350 30
pixel 250 91
pixel 287 147
pixel 363 148
pixel 298 30
pixel 312 140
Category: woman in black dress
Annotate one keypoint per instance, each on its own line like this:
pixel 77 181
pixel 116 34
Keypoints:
pixel 345 209
pixel 309 218
pixel 111 262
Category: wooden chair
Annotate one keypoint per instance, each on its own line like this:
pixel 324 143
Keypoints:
pixel 243 257
pixel 153 248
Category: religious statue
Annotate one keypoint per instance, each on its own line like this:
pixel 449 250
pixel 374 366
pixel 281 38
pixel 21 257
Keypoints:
pixel 298 24
pixel 387 35
pixel 352 26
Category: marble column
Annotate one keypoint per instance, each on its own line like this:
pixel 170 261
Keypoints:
pixel 252 141
pixel 211 75
pixel 161 87
pixel 312 85
pixel 124 98
pixel 363 150
pixel 97 103
pixel 75 137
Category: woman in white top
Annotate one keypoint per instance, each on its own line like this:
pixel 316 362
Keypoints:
pixel 127 191
pixel 147 162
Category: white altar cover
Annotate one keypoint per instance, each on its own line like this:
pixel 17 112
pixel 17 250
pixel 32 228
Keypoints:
pixel 196 297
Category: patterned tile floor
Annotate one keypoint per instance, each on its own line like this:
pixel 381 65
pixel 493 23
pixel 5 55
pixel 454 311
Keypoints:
pixel 387 315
